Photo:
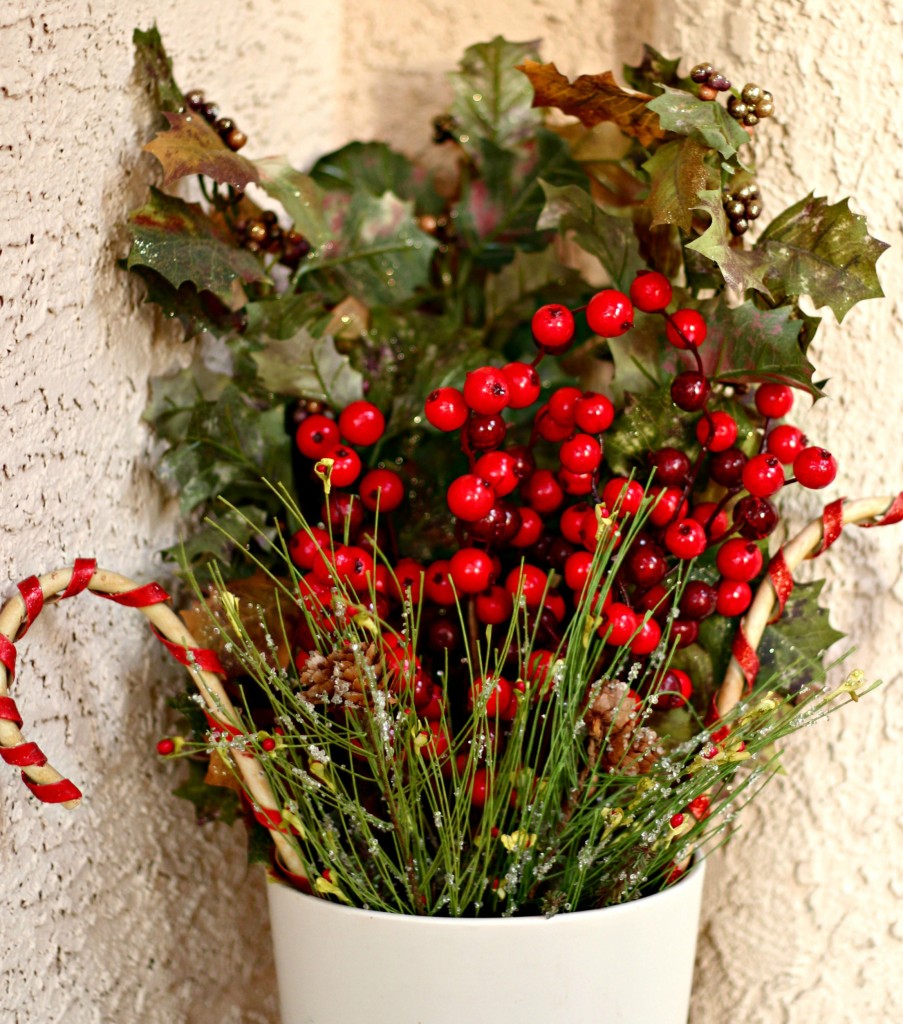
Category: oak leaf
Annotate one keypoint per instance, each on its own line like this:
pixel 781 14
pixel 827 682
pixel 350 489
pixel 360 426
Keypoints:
pixel 594 99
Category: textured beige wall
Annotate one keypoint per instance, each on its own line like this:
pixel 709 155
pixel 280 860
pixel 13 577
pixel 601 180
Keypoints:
pixel 104 918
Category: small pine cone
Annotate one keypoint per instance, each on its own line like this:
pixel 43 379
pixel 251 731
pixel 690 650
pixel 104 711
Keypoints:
pixel 615 734
pixel 336 678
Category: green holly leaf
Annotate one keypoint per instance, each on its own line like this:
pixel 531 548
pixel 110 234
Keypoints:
pixel 304 366
pixel 821 251
pixel 751 345
pixel 493 100
pixel 196 311
pixel 301 198
pixel 707 121
pixel 155 66
pixel 647 422
pixel 792 650
pixel 285 314
pixel 741 268
pixel 610 239
pixel 653 72
pixel 511 293
pixel 638 357
pixel 376 168
pixel 191 146
pixel 678 172
pixel 181 243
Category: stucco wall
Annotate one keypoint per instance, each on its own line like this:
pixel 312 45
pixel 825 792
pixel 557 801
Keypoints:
pixel 122 912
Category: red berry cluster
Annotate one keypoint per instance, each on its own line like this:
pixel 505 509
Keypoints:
pixel 531 513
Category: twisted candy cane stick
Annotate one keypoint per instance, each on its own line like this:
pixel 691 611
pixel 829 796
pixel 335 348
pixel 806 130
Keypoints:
pixel 203 666
pixel 813 540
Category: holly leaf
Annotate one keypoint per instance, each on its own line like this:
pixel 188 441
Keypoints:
pixel 197 311
pixel 652 73
pixel 610 239
pixel 492 99
pixel 637 357
pixel 821 251
pixel 741 268
pixel 285 314
pixel 304 366
pixel 181 243
pixel 594 99
pixel 191 146
pixel 751 345
pixel 792 650
pixel 376 168
pixel 678 172
pixel 155 66
pixel 647 422
pixel 709 122
pixel 511 293
pixel 301 198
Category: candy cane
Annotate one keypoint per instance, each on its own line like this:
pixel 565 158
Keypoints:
pixel 774 590
pixel 44 781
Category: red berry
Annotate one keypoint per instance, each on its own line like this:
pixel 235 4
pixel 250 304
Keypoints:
pixel 734 597
pixel 647 639
pixel 470 497
pixel 550 429
pixel 686 328
pixel 673 690
pixel 577 484
pixel 437 742
pixel 446 409
pixel 686 539
pixel 755 517
pixel 524 385
pixel 785 442
pixel 539 674
pixel 671 465
pixel 554 605
pixel 306 544
pixel 342 510
pixel 593 413
pixel 715 523
pixel 725 431
pixel 683 632
pixel 471 570
pixel 485 432
pixel 436 583
pixel 499 526
pixel 530 581
pixel 543 492
pixel 581 453
pixel 726 468
pixel 479 787
pixel 499 698
pixel 362 423
pixel 530 531
pixel 690 391
pixel 657 600
pixel 623 496
pixel 553 328
pixel 316 435
pixel 815 468
pixel 486 390
pixel 619 624
pixel 408 579
pixel 739 559
pixel 609 313
pixel 698 600
pixel 774 400
pixel 562 405
pixel 494 606
pixel 650 291
pixel 382 489
pixel 763 475
pixel 669 505
pixel 346 465
pixel 577 569
pixel 165 746
pixel 646 566
pixel 499 469
pixel 572 520
pixel 268 744
pixel 354 565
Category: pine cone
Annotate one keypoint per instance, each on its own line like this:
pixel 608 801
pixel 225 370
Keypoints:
pixel 336 678
pixel 615 734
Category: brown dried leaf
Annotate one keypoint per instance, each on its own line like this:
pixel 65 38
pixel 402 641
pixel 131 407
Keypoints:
pixel 218 774
pixel 594 99
pixel 262 610
pixel 191 146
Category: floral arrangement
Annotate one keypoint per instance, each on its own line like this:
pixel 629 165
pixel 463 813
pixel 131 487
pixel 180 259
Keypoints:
pixel 483 460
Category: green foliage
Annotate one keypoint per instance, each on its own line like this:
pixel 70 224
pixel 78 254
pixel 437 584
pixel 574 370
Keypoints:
pixel 307 367
pixel 191 146
pixel 678 172
pixel 792 650
pixel 707 122
pixel 155 67
pixel 653 73
pixel 647 422
pixel 821 251
pixel 741 269
pixel 183 245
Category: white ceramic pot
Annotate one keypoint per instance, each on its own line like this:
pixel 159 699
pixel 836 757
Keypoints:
pixel 629 964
